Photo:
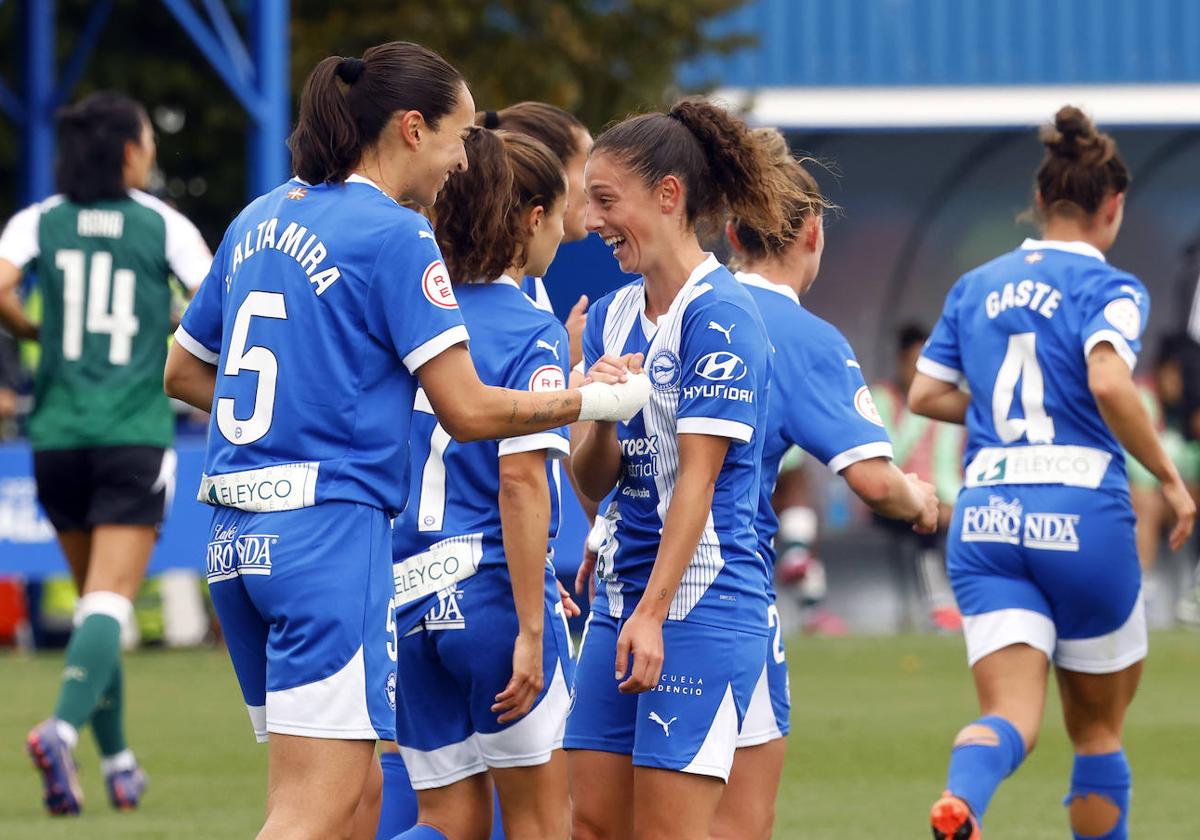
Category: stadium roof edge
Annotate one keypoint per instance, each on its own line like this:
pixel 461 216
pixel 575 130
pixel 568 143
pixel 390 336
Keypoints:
pixel 992 106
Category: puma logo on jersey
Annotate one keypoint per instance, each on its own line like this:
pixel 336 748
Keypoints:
pixel 713 325
pixel 424 234
pixel 665 724
pixel 546 345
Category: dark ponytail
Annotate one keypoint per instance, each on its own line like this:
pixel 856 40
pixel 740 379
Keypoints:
pixel 346 103
pixel 723 170
pixel 90 162
pixel 1081 165
pixel 560 130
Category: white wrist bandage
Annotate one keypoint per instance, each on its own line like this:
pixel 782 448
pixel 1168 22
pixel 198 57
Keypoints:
pixel 600 401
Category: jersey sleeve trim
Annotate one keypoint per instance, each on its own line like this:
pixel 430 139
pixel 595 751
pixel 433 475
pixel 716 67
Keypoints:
pixel 435 346
pixel 556 446
pixel 875 449
pixel 186 251
pixel 938 371
pixel 716 427
pixel 1116 340
pixel 19 241
pixel 190 344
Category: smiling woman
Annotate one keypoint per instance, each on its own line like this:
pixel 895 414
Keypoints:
pixel 681 596
pixel 312 636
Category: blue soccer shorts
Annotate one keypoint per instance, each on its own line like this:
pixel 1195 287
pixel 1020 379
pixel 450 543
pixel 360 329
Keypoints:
pixel 1052 567
pixel 769 713
pixel 305 603
pixel 453 664
pixel 690 721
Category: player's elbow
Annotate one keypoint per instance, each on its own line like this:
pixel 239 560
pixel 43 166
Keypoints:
pixel 1105 387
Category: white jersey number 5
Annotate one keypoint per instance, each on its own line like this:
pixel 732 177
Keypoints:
pixel 258 359
pixel 1021 365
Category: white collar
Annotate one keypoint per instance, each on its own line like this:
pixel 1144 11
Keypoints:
pixel 1073 247
pixel 505 280
pixel 355 178
pixel 758 281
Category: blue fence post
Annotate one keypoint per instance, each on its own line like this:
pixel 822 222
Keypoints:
pixel 37 89
pixel 268 158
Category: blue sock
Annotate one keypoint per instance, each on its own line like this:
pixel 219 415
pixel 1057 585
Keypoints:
pixel 976 770
pixel 421 832
pixel 497 822
pixel 399 811
pixel 1107 775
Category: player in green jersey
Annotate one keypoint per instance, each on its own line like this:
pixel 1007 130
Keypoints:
pixel 101 428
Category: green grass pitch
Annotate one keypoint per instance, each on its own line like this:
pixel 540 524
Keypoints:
pixel 870 729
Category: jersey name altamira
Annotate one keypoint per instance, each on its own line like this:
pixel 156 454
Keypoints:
pixel 819 400
pixel 454 487
pixel 322 303
pixel 709 361
pixel 1018 331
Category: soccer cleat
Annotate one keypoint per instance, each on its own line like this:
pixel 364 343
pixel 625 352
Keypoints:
pixel 951 819
pixel 60 778
pixel 125 788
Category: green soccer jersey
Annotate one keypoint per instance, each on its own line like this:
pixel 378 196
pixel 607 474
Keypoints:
pixel 103 271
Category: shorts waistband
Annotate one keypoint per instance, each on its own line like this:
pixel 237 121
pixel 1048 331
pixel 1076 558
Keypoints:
pixel 1072 466
pixel 443 564
pixel 265 490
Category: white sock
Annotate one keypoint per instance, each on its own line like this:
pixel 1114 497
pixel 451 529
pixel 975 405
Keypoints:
pixel 68 733
pixel 124 760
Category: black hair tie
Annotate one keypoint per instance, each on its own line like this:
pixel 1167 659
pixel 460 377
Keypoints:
pixel 350 69
pixel 491 120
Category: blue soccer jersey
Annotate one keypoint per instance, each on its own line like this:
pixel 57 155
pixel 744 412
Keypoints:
pixel 819 400
pixel 1017 332
pixel 709 361
pixel 322 303
pixel 454 487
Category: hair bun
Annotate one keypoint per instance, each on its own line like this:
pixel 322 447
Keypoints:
pixel 350 69
pixel 1073 135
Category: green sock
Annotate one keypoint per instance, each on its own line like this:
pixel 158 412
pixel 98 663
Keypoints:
pixel 93 655
pixel 108 722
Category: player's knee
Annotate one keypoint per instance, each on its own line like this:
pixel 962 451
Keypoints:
pixel 585 827
pixel 1093 815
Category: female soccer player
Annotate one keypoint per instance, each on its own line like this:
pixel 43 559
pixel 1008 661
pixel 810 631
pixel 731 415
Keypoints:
pixel 683 609
pixel 1041 551
pixel 101 428
pixel 327 301
pixel 488 666
pixel 819 402
pixel 567 137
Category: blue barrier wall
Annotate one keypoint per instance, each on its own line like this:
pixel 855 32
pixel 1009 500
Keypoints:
pixel 28 547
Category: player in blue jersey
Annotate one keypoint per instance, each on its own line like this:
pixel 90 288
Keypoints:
pixel 1042 554
pixel 681 609
pixel 819 402
pixel 326 303
pixel 485 652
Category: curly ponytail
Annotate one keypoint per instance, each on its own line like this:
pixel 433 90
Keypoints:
pixel 1081 165
pixel 713 153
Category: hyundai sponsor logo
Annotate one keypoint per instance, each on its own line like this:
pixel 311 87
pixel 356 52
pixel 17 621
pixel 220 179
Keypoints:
pixel 721 366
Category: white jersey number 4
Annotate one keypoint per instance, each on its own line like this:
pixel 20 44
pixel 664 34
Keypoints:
pixel 1021 365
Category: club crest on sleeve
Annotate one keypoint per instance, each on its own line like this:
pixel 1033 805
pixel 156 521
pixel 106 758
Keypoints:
pixel 547 378
pixel 864 404
pixel 1124 314
pixel 435 283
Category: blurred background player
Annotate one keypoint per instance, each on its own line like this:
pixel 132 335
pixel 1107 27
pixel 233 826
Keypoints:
pixel 932 450
pixel 101 428
pixel 681 604
pixel 486 663
pixel 1162 394
pixel 1039 336
pixel 337 284
pixel 819 402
